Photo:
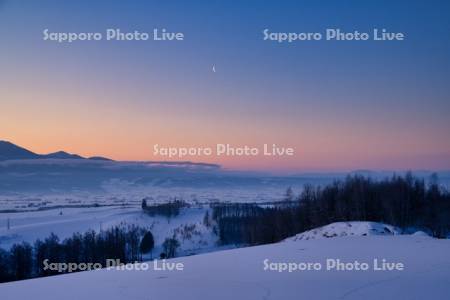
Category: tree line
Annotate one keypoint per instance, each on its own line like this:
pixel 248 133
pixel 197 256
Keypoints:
pixel 403 201
pixel 124 242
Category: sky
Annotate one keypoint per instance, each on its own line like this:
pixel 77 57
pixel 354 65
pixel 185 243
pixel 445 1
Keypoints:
pixel 340 105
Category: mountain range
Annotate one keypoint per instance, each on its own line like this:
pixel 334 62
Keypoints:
pixel 10 151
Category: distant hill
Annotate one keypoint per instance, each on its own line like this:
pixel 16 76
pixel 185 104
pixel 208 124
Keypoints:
pixel 100 158
pixel 10 151
pixel 62 155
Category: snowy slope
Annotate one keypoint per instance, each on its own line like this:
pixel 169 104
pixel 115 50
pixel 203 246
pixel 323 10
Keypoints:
pixel 30 226
pixel 239 274
pixel 341 229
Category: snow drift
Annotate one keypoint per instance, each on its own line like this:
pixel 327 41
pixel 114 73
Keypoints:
pixel 341 229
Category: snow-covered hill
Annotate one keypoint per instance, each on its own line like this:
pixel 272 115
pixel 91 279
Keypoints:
pixel 341 229
pixel 239 274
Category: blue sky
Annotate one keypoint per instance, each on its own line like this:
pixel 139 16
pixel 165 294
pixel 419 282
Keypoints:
pixel 343 105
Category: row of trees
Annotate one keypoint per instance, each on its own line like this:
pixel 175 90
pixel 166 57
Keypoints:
pixel 406 202
pixel 169 209
pixel 125 242
pixel 239 223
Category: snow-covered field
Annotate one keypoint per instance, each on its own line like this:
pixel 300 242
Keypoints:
pixel 29 226
pixel 46 183
pixel 133 196
pixel 63 197
pixel 240 274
